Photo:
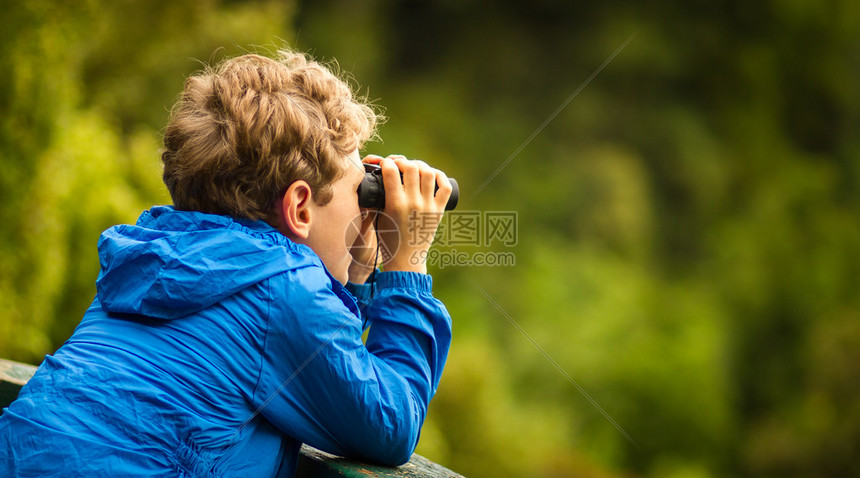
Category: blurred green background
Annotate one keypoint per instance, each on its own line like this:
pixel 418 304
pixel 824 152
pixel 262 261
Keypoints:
pixel 688 233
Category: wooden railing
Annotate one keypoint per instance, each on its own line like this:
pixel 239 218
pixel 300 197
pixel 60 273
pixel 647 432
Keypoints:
pixel 312 463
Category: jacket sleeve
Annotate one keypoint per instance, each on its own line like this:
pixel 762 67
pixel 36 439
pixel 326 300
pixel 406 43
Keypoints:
pixel 321 385
pixel 362 293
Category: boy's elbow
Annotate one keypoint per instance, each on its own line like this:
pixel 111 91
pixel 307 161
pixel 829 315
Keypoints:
pixel 401 460
pixel 398 443
pixel 390 435
pixel 398 453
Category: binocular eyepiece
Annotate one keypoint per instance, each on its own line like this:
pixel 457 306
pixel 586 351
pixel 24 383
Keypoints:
pixel 371 191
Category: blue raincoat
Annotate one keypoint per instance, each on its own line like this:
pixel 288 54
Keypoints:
pixel 215 347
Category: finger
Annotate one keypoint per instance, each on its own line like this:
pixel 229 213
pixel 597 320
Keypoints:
pixel 428 180
pixel 445 189
pixel 372 159
pixel 411 178
pixel 394 193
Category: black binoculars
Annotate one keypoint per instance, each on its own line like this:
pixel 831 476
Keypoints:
pixel 371 191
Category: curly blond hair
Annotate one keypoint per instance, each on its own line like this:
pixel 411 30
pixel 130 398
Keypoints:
pixel 243 131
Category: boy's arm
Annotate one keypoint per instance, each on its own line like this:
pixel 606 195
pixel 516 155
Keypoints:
pixel 363 293
pixel 417 202
pixel 322 386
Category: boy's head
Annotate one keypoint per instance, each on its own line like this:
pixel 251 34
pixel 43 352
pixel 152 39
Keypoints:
pixel 242 132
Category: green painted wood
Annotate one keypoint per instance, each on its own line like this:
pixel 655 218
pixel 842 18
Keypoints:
pixel 13 376
pixel 312 463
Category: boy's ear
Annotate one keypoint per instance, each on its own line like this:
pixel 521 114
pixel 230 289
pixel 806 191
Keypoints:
pixel 295 210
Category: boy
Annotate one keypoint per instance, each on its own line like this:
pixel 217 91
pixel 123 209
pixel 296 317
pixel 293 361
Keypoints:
pixel 226 329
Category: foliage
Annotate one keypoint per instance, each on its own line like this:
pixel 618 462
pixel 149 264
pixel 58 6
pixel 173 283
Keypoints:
pixel 687 236
pixel 79 143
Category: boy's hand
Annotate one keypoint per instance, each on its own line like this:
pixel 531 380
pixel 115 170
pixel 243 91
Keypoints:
pixel 413 210
pixel 363 251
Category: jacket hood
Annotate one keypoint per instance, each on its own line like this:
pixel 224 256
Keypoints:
pixel 175 263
